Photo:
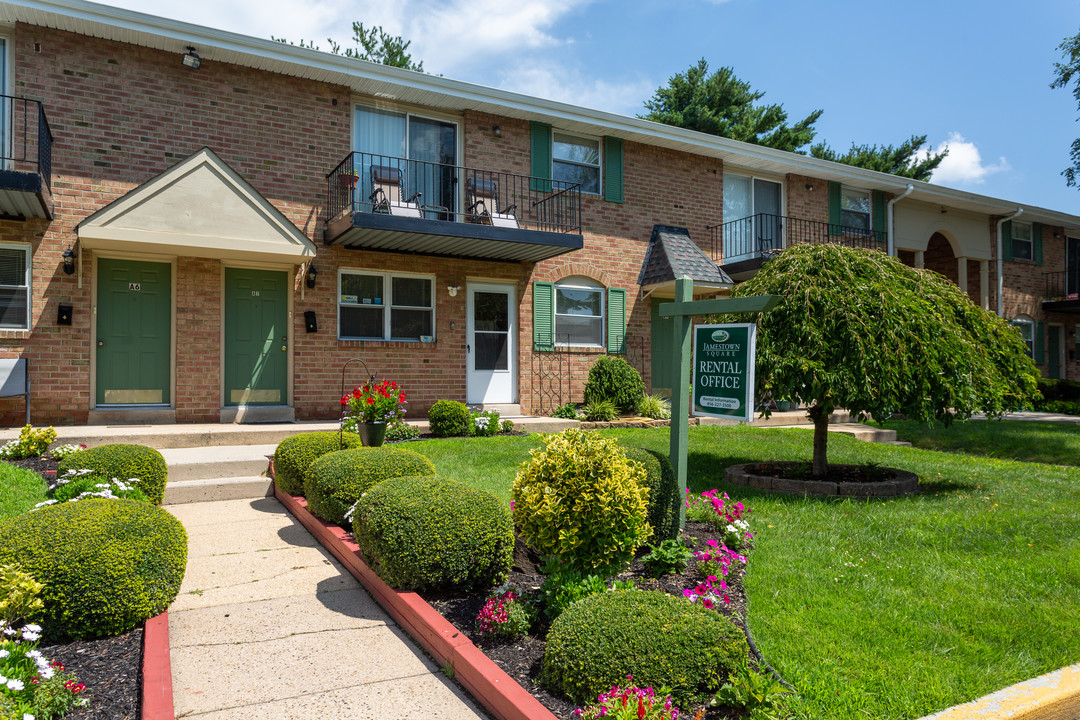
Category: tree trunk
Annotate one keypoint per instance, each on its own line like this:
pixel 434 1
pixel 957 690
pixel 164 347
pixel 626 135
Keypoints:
pixel 820 415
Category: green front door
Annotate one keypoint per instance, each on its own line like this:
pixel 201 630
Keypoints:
pixel 256 336
pixel 134 301
pixel 1053 351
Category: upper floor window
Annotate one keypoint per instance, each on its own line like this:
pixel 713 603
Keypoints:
pixel 15 286
pixel 1023 246
pixel 576 159
pixel 385 306
pixel 855 208
pixel 1026 326
pixel 579 312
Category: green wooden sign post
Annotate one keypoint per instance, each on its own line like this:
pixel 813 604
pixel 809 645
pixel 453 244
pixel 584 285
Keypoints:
pixel 681 311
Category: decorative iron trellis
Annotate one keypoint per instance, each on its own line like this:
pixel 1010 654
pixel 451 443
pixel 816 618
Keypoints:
pixel 552 379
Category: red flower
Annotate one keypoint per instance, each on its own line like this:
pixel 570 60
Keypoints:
pixel 371 401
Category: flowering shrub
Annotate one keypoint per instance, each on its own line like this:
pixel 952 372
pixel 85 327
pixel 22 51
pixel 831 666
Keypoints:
pixel 714 564
pixel 29 683
pixel 486 423
pixel 31 443
pixel 629 703
pixel 83 483
pixel 722 513
pixel 399 430
pixel 383 402
pixel 61 452
pixel 503 615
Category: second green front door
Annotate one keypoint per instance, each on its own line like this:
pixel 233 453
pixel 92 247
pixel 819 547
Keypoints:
pixel 256 337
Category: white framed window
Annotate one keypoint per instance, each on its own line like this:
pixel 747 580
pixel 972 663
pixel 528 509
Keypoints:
pixel 1023 246
pixel 14 286
pixel 576 159
pixel 385 306
pixel 579 313
pixel 1026 326
pixel 855 208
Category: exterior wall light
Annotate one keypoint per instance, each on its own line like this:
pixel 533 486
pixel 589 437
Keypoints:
pixel 453 290
pixel 496 131
pixel 309 279
pixel 69 261
pixel 191 59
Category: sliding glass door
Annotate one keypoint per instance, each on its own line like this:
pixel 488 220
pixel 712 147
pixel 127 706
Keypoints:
pixel 752 217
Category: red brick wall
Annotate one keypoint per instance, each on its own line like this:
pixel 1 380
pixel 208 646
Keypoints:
pixel 940 258
pixel 807 198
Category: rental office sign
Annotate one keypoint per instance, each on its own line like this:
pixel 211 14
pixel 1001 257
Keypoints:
pixel 723 381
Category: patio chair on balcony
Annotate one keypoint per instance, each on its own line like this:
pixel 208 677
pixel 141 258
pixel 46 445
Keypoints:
pixel 387 192
pixel 482 204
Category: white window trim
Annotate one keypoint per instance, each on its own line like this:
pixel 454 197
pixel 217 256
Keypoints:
pixel 1030 240
pixel 599 159
pixel 869 214
pixel 387 304
pixel 1022 321
pixel 29 275
pixel 603 314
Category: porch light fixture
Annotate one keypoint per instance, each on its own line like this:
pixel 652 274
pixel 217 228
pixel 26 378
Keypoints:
pixel 810 187
pixel 191 59
pixel 309 279
pixel 453 290
pixel 69 261
pixel 496 131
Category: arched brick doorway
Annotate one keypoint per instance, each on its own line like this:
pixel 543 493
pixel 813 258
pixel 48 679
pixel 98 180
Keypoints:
pixel 940 258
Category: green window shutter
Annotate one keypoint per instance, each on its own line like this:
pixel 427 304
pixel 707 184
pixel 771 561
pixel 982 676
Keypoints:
pixel 878 200
pixel 616 320
pixel 1006 240
pixel 1040 343
pixel 662 371
pixel 613 169
pixel 543 316
pixel 541 157
pixel 834 208
pixel 1036 243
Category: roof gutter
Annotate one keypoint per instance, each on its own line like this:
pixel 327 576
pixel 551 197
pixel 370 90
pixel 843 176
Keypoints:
pixel 891 245
pixel 1001 263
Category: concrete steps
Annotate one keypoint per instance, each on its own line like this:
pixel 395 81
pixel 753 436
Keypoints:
pixel 228 472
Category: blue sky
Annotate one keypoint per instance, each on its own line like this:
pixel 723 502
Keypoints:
pixel 972 75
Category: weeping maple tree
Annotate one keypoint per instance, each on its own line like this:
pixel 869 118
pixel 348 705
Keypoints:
pixel 859 330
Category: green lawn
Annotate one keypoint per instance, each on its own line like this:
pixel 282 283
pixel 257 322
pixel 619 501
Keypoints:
pixel 20 490
pixel 883 609
pixel 1043 442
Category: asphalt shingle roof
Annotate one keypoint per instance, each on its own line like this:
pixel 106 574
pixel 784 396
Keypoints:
pixel 672 254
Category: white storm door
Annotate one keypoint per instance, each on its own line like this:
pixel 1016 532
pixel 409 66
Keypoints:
pixel 491 356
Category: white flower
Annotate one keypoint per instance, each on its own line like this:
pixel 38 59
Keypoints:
pixel 31 636
pixel 33 628
pixel 27 716
pixel 47 672
pixel 9 631
pixel 3 680
pixel 4 653
pixel 15 685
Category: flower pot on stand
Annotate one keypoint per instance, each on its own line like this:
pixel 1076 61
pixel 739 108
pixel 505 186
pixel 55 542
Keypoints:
pixel 371 433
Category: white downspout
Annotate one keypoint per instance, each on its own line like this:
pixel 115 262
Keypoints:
pixel 1001 262
pixel 890 246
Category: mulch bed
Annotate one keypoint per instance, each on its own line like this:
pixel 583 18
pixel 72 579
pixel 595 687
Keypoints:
pixel 111 668
pixel 836 473
pixel 521 658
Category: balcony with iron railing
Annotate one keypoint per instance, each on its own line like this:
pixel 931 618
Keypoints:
pixel 378 202
pixel 25 159
pixel 741 246
pixel 1062 292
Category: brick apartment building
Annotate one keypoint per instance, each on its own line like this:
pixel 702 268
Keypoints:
pixel 199 226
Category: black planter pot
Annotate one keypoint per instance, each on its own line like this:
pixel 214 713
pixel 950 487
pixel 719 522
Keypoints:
pixel 371 433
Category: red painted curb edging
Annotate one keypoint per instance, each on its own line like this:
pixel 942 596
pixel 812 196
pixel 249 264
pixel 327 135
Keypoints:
pixel 157 695
pixel 496 691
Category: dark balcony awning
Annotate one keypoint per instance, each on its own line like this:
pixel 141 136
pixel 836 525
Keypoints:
pixel 25 160
pixel 24 195
pixel 394 233
pixel 1071 307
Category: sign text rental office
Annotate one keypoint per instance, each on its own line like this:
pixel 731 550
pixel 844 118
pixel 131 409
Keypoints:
pixel 724 370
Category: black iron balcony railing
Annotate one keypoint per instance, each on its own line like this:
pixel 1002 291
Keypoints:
pixel 1062 285
pixel 761 235
pixel 25 137
pixel 366 183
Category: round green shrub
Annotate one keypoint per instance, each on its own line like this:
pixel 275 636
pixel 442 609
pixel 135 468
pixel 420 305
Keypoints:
pixel 107 565
pixel 123 462
pixel 579 500
pixel 294 455
pixel 335 481
pixel 663 492
pixel 448 418
pixel 660 639
pixel 612 378
pixel 424 532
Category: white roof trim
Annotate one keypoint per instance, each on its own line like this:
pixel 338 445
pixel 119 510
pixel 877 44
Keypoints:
pixel 371 78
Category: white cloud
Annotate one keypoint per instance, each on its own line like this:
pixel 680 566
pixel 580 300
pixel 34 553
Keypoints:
pixel 553 82
pixel 964 164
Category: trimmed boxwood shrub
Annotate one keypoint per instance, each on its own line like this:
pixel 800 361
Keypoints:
pixel 294 455
pixel 424 532
pixel 123 462
pixel 335 481
pixel 660 639
pixel 448 418
pixel 612 378
pixel 663 492
pixel 107 565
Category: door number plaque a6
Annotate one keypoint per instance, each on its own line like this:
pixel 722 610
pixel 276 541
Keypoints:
pixel 135 286
pixel 254 293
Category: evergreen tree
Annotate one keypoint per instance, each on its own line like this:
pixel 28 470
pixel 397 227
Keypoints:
pixel 1065 74
pixel 373 45
pixel 903 160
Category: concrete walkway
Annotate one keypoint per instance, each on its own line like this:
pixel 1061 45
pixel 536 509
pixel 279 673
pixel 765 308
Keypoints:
pixel 268 626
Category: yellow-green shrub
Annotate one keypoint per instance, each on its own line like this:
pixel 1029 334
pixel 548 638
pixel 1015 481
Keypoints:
pixel 664 497
pixel 294 455
pixel 123 462
pixel 337 480
pixel 581 501
pixel 107 565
